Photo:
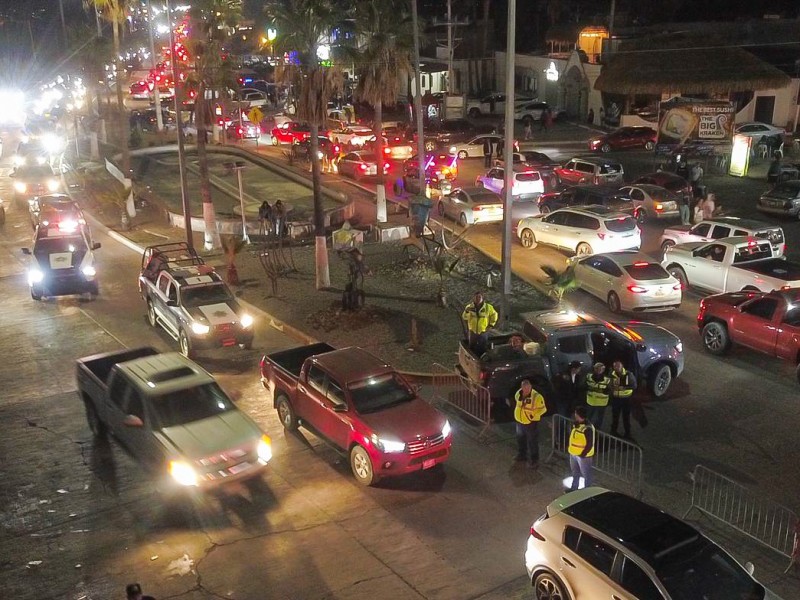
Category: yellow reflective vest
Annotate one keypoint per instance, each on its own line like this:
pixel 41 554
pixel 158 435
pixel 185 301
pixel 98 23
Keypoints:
pixel 578 441
pixel 530 409
pixel 621 386
pixel 597 391
pixel 479 320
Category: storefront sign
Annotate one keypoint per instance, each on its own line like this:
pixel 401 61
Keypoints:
pixel 703 125
pixel 551 73
pixel 740 156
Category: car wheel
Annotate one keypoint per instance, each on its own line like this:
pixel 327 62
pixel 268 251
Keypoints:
pixel 474 113
pixel 583 249
pixel 716 339
pixel 96 426
pixel 641 216
pixel 462 154
pixel 545 209
pixel 151 314
pixel 660 379
pixel 614 304
pixel 440 209
pixel 605 148
pixel 185 345
pixel 548 587
pixel 286 413
pixel 361 465
pixel 462 220
pixel 274 141
pixel 679 274
pixel 527 239
pixel 666 244
pixel 649 145
pixel 36 294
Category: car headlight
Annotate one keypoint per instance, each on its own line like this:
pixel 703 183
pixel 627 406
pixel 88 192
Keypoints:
pixel 246 320
pixel 20 186
pixel 264 449
pixel 388 445
pixel 89 271
pixel 446 429
pixel 679 347
pixel 182 473
pixel 453 149
pixel 200 329
pixel 35 276
pixel 52 185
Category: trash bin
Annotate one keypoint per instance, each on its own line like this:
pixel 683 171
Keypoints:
pixel 419 208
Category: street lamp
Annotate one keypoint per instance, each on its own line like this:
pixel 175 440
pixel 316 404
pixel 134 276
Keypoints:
pixel 272 34
pixel 239 166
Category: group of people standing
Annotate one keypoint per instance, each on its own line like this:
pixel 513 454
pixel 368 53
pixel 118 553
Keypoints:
pixel 704 203
pixel 272 219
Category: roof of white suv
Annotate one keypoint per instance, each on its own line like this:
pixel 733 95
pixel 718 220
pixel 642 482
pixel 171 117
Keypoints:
pixel 595 210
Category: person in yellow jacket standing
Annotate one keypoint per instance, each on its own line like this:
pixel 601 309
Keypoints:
pixel 528 411
pixel 598 389
pixel 623 383
pixel 581 449
pixel 479 316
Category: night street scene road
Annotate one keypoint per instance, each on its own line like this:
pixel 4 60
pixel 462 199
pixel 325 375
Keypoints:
pixel 400 299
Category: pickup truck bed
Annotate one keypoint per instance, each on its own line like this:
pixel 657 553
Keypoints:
pixel 773 267
pixel 100 365
pixel 292 360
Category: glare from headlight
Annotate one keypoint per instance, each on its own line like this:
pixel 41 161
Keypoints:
pixel 53 143
pixel 200 329
pixel 89 271
pixel 246 320
pixel 264 449
pixel 18 160
pixel 20 186
pixel 182 473
pixel 446 429
pixel 388 445
pixel 35 276
pixel 52 185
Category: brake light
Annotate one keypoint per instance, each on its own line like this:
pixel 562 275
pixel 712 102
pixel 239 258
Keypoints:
pixel 601 235
pixel 536 534
pixel 642 263
pixel 637 289
pixel 336 148
pixel 362 166
pixel 484 375
pixel 240 131
pixel 387 151
pixel 386 166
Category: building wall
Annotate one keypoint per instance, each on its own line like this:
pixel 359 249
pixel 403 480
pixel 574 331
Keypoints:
pixel 785 113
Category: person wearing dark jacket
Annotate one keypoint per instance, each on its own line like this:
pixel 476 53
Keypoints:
pixel 569 387
pixel 133 591
pixel 487 152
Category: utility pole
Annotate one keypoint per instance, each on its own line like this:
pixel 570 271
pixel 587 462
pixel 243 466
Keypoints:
pixel 421 159
pixel 508 155
pixel 157 95
pixel 450 49
pixel 63 23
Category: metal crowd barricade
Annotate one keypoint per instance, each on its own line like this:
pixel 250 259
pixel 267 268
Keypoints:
pixel 745 510
pixel 613 456
pixel 463 394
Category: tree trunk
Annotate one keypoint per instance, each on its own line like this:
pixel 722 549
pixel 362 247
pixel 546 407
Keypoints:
pixel 380 160
pixel 122 117
pixel 320 245
pixel 211 236
pixel 484 42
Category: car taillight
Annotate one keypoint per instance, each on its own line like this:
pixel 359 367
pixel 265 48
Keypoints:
pixel 637 289
pixel 387 151
pixel 536 534
pixel 484 375
pixel 336 149
pixel 601 235
pixel 677 287
pixel 386 166
pixel 240 131
pixel 362 166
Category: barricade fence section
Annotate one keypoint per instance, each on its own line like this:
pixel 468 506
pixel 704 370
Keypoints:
pixel 746 510
pixel 462 393
pixel 613 456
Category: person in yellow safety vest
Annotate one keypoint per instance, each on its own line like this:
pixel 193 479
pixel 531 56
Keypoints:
pixel 528 411
pixel 479 316
pixel 597 393
pixel 623 383
pixel 581 449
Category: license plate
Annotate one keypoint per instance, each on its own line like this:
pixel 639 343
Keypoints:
pixel 429 463
pixel 235 469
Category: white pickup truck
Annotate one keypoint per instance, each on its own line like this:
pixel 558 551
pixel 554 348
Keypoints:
pixel 730 265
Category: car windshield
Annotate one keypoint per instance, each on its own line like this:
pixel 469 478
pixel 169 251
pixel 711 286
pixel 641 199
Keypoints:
pixel 34 171
pixel 527 177
pixel 203 295
pixel 56 245
pixel 191 404
pixel 663 194
pixel 378 393
pixel 620 224
pixel 646 271
pixel 702 570
pixel 773 235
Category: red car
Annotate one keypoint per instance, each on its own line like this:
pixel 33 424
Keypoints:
pixel 623 138
pixel 766 322
pixel 290 133
pixel 243 131
pixel 361 406
pixel 141 90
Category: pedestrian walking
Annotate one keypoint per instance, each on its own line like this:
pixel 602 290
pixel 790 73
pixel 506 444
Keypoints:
pixel 527 131
pixel 709 206
pixel 685 208
pixel 487 152
pixel 543 120
pixel 581 449
pixel 133 591
pixel 590 117
pixel 623 384
pixel 569 389
pixel 528 411
pixel 597 394
pixel 480 316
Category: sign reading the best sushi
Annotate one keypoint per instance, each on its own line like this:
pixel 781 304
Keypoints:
pixel 698 124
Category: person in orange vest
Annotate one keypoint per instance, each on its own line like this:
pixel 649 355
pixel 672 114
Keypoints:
pixel 528 411
pixel 581 449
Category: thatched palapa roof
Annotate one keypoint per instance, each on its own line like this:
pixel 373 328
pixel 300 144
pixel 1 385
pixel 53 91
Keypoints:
pixel 692 70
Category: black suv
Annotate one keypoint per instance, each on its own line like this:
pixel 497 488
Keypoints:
pixel 583 195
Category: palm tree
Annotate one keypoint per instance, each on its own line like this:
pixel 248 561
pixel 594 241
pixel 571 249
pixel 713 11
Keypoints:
pixel 115 11
pixel 303 26
pixel 383 55
pixel 211 24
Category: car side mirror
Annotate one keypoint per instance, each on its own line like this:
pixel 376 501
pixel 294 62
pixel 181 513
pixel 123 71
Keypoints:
pixel 97 246
pixel 26 251
pixel 750 568
pixel 132 421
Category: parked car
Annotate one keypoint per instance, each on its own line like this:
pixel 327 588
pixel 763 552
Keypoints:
pixel 471 206
pixel 526 183
pixel 730 265
pixel 615 546
pixel 250 98
pixel 757 130
pixel 243 130
pixel 591 170
pixel 352 135
pixel 555 338
pixel 766 322
pixel 290 133
pixel 360 164
pixel 361 406
pixel 651 201
pixel 627 281
pixel 584 230
pixel 530 111
pixel 674 183
pixel 535 159
pixel 623 138
pixel 708 230
pixel 783 199
pixel 141 90
pixel 172 417
pixel 494 103
pixel 585 195
pixel 34 180
pixel 473 147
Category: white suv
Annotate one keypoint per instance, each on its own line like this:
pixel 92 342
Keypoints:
pixel 595 543
pixel 721 227
pixel 586 230
pixel 526 182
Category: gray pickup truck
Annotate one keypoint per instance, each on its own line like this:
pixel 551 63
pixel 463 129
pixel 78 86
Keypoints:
pixel 554 339
pixel 171 416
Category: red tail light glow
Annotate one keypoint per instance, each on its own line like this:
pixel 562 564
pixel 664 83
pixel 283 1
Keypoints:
pixel 536 534
pixel 637 289
pixel 601 235
pixel 387 151
pixel 641 263
pixel 362 166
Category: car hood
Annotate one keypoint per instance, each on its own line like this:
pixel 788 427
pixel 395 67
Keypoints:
pixel 202 438
pixel 215 314
pixel 406 422
pixel 652 335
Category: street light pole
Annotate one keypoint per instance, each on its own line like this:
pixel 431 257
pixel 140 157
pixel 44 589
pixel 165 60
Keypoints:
pixel 418 100
pixel 239 166
pixel 508 157
pixel 159 116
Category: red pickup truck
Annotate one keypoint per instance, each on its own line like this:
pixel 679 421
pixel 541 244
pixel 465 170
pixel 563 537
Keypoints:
pixel 767 322
pixel 360 405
